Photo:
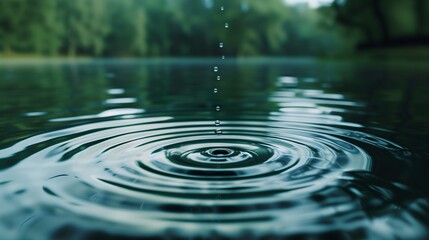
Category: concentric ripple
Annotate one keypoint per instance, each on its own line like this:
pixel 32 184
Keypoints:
pixel 165 176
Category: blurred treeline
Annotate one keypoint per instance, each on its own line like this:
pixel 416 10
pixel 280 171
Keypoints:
pixel 156 28
pixel 160 28
pixel 384 23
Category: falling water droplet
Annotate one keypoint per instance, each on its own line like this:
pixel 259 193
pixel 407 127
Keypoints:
pixel 223 57
pixel 218 131
pixel 215 69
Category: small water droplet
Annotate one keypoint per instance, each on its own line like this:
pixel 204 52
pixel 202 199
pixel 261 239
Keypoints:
pixel 222 8
pixel 226 25
pixel 218 78
pixel 218 131
pixel 221 45
pixel 218 108
pixel 223 57
pixel 215 90
pixel 216 69
pixel 217 122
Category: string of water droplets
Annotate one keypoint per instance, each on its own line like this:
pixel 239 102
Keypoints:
pixel 218 130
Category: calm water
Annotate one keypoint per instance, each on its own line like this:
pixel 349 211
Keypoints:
pixel 127 149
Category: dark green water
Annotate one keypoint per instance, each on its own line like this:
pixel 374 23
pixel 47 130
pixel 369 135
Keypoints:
pixel 127 149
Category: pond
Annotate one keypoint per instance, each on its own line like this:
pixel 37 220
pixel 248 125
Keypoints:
pixel 128 149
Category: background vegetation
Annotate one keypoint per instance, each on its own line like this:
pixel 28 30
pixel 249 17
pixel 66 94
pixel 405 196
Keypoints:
pixel 161 28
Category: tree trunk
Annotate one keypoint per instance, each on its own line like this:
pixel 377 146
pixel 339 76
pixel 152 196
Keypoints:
pixel 347 21
pixel 72 50
pixel 382 21
pixel 421 8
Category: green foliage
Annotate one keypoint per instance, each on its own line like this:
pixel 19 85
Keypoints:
pixel 385 22
pixel 157 28
pixel 84 24
pixel 45 32
pixel 29 27
pixel 12 16
pixel 316 33
pixel 255 26
pixel 127 35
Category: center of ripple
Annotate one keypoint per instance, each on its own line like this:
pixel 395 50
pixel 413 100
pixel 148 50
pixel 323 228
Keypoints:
pixel 227 157
pixel 217 155
pixel 220 152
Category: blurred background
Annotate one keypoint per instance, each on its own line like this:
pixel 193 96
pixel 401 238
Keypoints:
pixel 194 28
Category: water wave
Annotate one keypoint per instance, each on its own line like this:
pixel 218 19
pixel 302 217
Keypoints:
pixel 170 176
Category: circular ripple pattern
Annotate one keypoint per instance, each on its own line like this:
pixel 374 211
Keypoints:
pixel 165 176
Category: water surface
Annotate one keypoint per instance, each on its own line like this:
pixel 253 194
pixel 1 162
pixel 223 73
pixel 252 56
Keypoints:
pixel 129 149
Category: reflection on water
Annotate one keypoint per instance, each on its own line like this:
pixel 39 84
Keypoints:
pixel 126 149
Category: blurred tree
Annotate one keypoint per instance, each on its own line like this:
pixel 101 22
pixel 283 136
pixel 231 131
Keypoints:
pixel 12 17
pixel 44 31
pixel 165 28
pixel 316 33
pixel 29 28
pixel 385 22
pixel 422 10
pixel 158 16
pixel 255 26
pixel 127 21
pixel 190 23
pixel 85 25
